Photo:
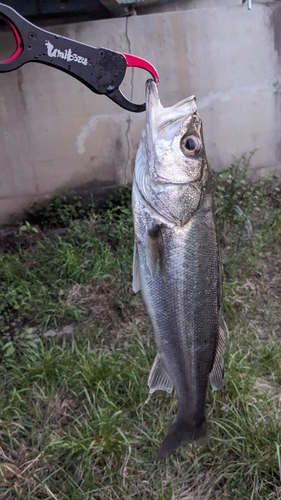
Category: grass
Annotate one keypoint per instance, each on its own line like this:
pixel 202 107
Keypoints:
pixel 76 420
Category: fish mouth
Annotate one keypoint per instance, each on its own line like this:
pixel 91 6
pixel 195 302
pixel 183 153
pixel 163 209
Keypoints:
pixel 151 89
pixel 167 120
pixel 152 96
pixel 153 104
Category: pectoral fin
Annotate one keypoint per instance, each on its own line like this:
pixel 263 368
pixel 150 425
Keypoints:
pixel 136 269
pixel 159 379
pixel 217 375
pixel 155 250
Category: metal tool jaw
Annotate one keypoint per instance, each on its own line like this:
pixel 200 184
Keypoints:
pixel 102 70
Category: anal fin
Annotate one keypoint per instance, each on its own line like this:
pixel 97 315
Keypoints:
pixel 159 379
pixel 217 374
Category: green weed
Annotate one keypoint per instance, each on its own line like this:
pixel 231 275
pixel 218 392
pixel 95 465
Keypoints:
pixel 76 420
pixel 59 211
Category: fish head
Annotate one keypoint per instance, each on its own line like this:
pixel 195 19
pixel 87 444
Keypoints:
pixel 171 174
pixel 174 140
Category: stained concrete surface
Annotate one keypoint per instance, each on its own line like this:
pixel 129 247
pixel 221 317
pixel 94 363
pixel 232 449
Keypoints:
pixel 56 134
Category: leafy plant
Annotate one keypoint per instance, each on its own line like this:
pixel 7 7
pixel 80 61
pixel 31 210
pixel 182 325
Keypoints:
pixel 239 198
pixel 59 211
pixel 20 341
pixel 27 228
pixel 119 203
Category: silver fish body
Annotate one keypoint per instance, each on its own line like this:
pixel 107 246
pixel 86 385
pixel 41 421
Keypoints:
pixel 176 262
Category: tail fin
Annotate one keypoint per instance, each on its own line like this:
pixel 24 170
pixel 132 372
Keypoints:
pixel 181 432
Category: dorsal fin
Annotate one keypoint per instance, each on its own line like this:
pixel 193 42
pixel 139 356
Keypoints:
pixel 220 282
pixel 217 374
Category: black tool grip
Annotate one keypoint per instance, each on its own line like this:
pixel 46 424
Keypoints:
pixel 100 69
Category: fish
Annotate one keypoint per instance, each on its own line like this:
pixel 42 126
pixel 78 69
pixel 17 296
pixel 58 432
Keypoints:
pixel 176 262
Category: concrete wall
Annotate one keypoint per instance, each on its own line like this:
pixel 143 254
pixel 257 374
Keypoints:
pixel 56 134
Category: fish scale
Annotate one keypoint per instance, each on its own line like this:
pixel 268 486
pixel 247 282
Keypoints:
pixel 176 263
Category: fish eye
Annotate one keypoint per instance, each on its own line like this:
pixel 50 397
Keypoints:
pixel 191 145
